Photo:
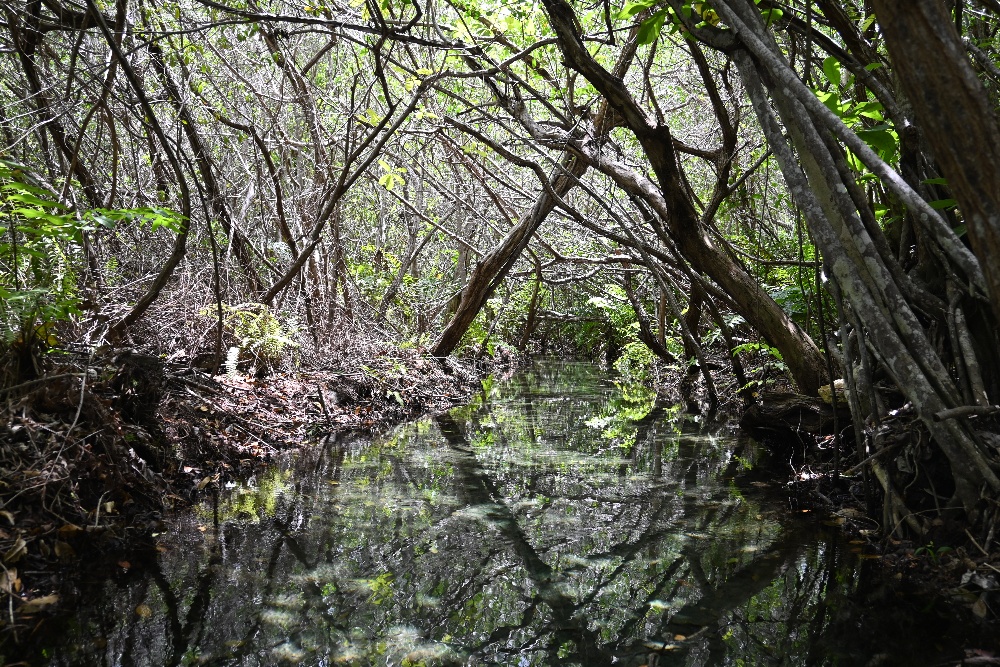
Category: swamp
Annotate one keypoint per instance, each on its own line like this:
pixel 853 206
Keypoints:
pixel 469 332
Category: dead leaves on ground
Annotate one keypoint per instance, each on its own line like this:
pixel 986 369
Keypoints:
pixel 100 462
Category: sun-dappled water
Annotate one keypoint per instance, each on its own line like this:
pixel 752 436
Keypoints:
pixel 563 520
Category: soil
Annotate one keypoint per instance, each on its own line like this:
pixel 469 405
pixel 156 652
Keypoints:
pixel 96 450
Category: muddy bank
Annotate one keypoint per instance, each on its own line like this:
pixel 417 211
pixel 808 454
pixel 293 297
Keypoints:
pixel 95 450
pixel 844 485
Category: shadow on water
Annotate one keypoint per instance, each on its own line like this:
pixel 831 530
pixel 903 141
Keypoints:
pixel 561 521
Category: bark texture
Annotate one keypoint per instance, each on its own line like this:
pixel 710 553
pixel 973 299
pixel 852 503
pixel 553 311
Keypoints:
pixel 490 271
pixel 804 360
pixel 953 109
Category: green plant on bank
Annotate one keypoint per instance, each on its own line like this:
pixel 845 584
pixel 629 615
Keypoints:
pixel 767 365
pixel 614 326
pixel 260 336
pixel 494 328
pixel 38 256
pixel 934 553
pixel 41 258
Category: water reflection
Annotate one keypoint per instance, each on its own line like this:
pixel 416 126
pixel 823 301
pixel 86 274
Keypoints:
pixel 564 521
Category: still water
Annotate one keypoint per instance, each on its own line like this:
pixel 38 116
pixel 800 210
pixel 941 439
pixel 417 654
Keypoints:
pixel 561 521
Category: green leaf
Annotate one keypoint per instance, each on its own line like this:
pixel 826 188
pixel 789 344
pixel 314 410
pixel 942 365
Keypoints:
pixel 941 204
pixel 28 198
pixel 936 181
pixel 831 68
pixel 832 101
pixel 649 29
pixel 166 222
pixel 35 214
pixel 771 15
pixel 871 110
pixel 633 8
pixel 19 186
pixel 881 139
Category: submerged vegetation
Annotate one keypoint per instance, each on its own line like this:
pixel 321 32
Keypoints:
pixel 227 225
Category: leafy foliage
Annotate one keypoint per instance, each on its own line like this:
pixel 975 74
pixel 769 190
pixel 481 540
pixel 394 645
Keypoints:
pixel 259 334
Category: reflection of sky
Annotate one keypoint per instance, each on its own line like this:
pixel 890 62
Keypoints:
pixel 563 522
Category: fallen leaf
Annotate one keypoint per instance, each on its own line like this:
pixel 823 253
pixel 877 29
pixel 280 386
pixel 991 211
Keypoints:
pixel 7 515
pixel 124 564
pixel 9 582
pixel 31 606
pixel 70 529
pixel 64 551
pixel 16 552
pixel 979 608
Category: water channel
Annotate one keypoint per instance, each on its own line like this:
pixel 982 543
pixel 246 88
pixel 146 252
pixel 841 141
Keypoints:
pixel 563 521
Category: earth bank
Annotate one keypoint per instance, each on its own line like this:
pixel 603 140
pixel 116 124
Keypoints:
pixel 104 443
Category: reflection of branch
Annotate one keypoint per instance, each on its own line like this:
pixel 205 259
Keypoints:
pixel 173 612
pixel 481 490
pixel 738 588
pixel 182 634
pixel 640 611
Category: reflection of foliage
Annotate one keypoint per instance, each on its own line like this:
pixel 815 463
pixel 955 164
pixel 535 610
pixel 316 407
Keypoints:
pixel 431 542
pixel 381 587
pixel 256 500
pixel 635 363
pixel 617 421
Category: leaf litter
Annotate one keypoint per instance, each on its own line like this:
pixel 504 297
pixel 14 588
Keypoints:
pixel 97 450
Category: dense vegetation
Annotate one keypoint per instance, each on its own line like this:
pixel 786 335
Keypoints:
pixel 806 188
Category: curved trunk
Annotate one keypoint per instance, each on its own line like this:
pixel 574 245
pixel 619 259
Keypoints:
pixel 673 204
pixel 490 271
pixel 954 111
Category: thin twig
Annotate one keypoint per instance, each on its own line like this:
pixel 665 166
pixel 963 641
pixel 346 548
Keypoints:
pixel 982 550
pixel 32 383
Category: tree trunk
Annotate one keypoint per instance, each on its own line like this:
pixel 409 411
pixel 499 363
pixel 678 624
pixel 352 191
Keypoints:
pixel 953 110
pixel 805 362
pixel 490 271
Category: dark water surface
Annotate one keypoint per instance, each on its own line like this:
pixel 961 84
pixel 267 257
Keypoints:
pixel 564 521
